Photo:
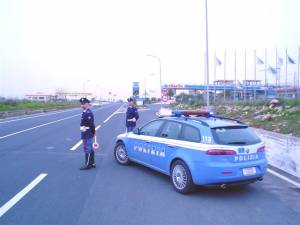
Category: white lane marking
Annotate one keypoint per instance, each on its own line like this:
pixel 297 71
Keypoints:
pixel 114 113
pixel 21 194
pixel 49 114
pixel 284 178
pixel 42 125
pixel 76 146
pixel 40 115
pixel 80 142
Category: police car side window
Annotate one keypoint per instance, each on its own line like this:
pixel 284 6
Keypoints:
pixel 151 128
pixel 171 130
pixel 190 133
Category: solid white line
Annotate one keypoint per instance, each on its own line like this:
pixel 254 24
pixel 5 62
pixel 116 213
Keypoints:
pixel 284 178
pixel 21 194
pixel 49 114
pixel 114 113
pixel 80 142
pixel 30 117
pixel 42 125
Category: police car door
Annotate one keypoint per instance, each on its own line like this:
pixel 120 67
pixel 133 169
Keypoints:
pixel 168 135
pixel 144 142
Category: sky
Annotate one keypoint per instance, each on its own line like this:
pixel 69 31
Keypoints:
pixel 102 45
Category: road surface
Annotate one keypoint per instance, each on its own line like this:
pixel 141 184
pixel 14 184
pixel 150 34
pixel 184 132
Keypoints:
pixel 40 183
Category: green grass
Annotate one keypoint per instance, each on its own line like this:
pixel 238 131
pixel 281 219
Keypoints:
pixel 13 105
pixel 285 122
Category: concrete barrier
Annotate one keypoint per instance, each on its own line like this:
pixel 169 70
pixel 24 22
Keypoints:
pixel 283 151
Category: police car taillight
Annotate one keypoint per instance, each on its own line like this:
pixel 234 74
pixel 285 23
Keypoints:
pixel 261 149
pixel 220 152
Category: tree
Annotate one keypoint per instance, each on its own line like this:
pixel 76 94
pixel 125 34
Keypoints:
pixel 171 92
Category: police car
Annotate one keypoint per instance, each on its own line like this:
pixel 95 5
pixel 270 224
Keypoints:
pixel 196 148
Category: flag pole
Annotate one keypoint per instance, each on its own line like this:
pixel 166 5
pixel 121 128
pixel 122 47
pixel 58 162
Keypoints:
pixel 235 81
pixel 266 78
pixel 245 74
pixel 276 63
pixel 254 90
pixel 215 72
pixel 224 75
pixel 286 71
pixel 298 71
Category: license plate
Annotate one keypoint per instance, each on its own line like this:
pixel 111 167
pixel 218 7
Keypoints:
pixel 249 171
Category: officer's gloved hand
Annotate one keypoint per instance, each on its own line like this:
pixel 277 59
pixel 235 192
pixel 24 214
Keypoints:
pixel 133 120
pixel 82 128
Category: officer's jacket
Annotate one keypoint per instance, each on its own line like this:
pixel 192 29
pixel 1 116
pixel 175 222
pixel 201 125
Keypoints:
pixel 131 113
pixel 87 121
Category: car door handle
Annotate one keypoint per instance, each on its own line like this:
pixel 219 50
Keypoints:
pixel 148 142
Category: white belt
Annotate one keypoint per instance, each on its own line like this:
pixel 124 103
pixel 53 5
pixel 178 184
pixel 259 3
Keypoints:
pixel 84 128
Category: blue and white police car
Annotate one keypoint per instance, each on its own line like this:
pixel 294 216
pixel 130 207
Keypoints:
pixel 196 148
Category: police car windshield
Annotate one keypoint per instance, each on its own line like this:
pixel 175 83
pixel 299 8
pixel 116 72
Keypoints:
pixel 236 135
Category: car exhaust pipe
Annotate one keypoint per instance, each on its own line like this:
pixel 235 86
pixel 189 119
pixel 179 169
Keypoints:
pixel 223 186
pixel 260 179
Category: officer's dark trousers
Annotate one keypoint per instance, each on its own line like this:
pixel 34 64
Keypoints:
pixel 90 158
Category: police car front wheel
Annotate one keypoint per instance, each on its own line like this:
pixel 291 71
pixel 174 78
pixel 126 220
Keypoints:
pixel 121 154
pixel 181 177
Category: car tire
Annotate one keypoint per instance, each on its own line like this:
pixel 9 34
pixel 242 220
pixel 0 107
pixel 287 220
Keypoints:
pixel 181 177
pixel 120 153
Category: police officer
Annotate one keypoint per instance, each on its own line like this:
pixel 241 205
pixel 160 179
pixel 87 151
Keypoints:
pixel 87 128
pixel 132 115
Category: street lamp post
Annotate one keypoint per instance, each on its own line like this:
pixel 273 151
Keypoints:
pixel 145 79
pixel 159 61
pixel 206 57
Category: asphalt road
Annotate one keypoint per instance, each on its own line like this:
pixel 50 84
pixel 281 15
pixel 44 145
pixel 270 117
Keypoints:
pixel 111 193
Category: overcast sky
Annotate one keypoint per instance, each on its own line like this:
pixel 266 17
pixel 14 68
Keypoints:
pixel 103 44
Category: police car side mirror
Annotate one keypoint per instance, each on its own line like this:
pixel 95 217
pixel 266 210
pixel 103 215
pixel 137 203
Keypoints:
pixel 137 131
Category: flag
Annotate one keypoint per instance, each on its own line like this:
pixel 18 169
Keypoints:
pixel 273 70
pixel 218 61
pixel 290 60
pixel 280 61
pixel 259 61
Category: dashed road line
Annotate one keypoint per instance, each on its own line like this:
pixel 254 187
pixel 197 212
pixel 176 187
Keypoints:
pixel 7 206
pixel 115 113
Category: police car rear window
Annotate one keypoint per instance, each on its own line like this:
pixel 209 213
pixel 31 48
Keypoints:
pixel 235 135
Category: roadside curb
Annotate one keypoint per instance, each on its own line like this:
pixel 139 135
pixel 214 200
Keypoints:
pixel 285 174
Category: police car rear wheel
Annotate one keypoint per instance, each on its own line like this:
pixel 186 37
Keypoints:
pixel 121 154
pixel 181 177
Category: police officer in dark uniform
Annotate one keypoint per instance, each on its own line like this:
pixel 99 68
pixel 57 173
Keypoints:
pixel 87 128
pixel 132 115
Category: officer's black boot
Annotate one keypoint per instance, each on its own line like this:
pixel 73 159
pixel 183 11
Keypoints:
pixel 92 160
pixel 86 166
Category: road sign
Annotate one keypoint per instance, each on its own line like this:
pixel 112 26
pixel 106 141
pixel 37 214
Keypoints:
pixel 164 98
pixel 164 91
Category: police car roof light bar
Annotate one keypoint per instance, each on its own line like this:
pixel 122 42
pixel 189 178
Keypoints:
pixel 188 113
pixel 199 113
